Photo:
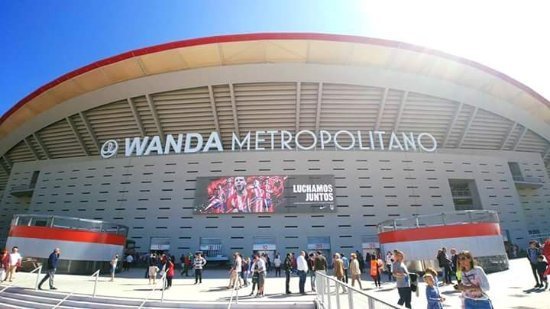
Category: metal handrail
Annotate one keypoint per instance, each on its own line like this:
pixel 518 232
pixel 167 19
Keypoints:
pixel 323 289
pixel 235 291
pixel 95 274
pixel 87 224
pixel 518 178
pixel 163 281
pixel 446 218
pixel 38 270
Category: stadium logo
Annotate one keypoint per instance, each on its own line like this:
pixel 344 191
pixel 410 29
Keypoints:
pixel 266 140
pixel 109 149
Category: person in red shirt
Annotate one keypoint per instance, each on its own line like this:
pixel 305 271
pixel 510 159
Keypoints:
pixel 169 273
pixel 546 249
pixel 4 265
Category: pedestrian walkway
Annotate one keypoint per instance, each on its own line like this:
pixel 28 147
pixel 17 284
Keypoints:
pixel 509 289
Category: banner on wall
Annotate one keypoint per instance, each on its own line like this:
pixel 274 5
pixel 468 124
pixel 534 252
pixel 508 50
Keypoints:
pixel 265 194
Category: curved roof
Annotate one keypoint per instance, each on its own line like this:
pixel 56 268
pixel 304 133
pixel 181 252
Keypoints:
pixel 273 48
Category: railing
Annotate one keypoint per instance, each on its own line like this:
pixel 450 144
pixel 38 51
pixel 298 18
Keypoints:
pixel 38 270
pixel 69 223
pixel 95 274
pixel 23 187
pixel 235 292
pixel 446 218
pixel 527 179
pixel 330 294
pixel 163 281
pixel 461 193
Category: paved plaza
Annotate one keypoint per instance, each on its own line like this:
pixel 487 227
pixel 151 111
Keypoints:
pixel 509 289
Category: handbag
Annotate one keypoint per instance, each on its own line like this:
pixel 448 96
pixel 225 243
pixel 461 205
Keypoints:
pixel 478 303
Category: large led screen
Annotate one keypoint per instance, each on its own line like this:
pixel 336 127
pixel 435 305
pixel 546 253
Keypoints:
pixel 265 194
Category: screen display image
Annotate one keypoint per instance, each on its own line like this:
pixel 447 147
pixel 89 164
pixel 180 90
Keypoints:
pixel 264 194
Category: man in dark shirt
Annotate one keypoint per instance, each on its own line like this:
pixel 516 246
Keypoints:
pixel 288 270
pixel 52 267
pixel 320 263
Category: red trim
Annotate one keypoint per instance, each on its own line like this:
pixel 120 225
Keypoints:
pixel 53 233
pixel 267 36
pixel 441 232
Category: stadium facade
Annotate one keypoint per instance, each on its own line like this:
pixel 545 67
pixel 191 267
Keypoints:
pixel 277 142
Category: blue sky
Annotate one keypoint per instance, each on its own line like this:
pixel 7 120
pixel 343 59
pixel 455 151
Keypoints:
pixel 42 40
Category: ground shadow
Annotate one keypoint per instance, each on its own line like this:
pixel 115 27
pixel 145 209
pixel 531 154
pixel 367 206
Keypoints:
pixel 218 288
pixel 146 290
pixel 533 290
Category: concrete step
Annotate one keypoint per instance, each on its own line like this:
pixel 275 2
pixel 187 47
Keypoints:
pixel 22 298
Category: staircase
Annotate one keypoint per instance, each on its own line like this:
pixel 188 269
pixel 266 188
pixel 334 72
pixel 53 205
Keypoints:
pixel 23 298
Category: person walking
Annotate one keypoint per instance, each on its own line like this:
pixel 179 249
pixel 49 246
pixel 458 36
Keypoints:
pixel 245 269
pixel 255 275
pixel 355 271
pixel 198 265
pixel 288 271
pixel 376 266
pixel 260 269
pixel 170 270
pixel 15 262
pixel 338 265
pixel 4 265
pixel 129 261
pixel 277 263
pixel 52 267
pixel 321 264
pixel 187 263
pixel 114 262
pixel 311 270
pixel 533 253
pixel 445 264
pixel 389 264
pixel 183 259
pixel 401 274
pixel 454 265
pixel 153 269
pixel 360 260
pixel 301 266
pixel 542 269
pixel 346 266
pixel 235 272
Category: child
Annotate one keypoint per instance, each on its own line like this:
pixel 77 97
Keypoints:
pixel 431 271
pixel 432 293
pixel 542 266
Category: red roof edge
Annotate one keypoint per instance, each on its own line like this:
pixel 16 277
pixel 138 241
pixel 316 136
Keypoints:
pixel 267 36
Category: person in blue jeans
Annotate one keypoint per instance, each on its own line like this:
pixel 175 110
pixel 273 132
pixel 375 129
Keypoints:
pixel 401 274
pixel 52 267
pixel 346 266
pixel 302 268
pixel 533 253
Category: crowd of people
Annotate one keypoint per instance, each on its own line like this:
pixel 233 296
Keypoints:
pixel 471 280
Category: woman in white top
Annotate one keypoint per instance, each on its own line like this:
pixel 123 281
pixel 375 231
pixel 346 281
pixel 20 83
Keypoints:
pixel 389 263
pixel 277 262
pixel 114 262
pixel 474 283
